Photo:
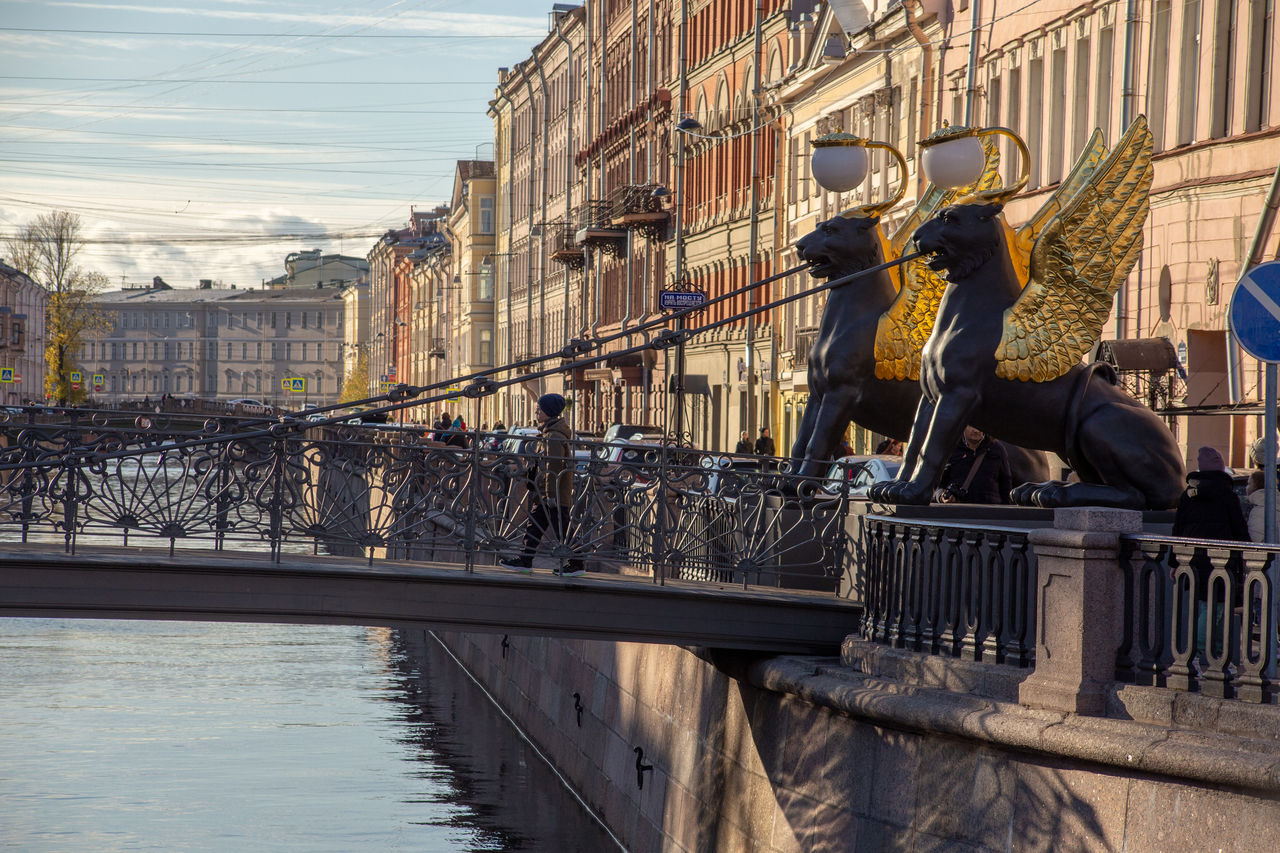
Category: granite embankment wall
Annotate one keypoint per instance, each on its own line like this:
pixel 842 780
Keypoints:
pixel 876 751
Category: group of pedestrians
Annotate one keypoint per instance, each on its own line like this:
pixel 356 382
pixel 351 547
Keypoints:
pixel 763 445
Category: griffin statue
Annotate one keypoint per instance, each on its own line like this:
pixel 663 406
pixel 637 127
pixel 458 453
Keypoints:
pixel 864 365
pixel 1005 346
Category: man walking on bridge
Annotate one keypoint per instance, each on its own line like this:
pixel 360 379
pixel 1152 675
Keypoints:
pixel 550 486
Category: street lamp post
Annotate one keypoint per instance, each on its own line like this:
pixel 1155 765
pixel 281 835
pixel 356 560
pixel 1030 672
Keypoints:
pixel 686 125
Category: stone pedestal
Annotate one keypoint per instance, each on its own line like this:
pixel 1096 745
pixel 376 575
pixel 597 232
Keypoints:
pixel 1079 608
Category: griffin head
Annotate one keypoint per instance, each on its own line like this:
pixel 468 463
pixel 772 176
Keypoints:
pixel 842 245
pixel 961 238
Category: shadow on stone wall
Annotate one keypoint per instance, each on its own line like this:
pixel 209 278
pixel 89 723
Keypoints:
pixel 841 784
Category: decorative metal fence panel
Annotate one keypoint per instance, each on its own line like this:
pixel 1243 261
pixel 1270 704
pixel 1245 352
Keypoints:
pixel 387 493
pixel 1199 616
pixel 965 592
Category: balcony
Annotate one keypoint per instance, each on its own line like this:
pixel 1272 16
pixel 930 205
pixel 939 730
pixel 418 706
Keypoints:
pixel 640 207
pixel 564 245
pixel 435 348
pixel 596 230
pixel 805 339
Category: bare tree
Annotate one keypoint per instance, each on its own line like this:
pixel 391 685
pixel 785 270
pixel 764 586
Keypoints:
pixel 46 250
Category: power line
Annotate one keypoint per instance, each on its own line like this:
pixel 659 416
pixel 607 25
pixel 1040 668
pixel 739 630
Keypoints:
pixel 167 80
pixel 419 36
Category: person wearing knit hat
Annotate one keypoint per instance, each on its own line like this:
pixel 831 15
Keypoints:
pixel 1209 509
pixel 552 404
pixel 1209 459
pixel 550 488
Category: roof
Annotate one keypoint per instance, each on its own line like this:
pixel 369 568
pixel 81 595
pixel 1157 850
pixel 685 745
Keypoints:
pixel 188 296
pixel 468 169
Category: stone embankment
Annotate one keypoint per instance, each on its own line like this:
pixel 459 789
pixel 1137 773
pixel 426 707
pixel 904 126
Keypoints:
pixel 681 749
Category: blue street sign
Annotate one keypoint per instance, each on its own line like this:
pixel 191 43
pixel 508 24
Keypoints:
pixel 670 300
pixel 1254 313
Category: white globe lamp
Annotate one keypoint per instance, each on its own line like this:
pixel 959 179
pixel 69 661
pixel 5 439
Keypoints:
pixel 839 161
pixel 952 157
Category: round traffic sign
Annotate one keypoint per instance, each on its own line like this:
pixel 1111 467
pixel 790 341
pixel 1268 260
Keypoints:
pixel 1254 314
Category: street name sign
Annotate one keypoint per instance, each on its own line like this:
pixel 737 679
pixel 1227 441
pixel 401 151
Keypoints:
pixel 673 300
pixel 1254 313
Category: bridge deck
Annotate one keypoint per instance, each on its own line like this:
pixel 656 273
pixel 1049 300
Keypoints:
pixel 202 585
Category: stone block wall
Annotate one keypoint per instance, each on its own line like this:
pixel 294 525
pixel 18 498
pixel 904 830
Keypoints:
pixel 809 754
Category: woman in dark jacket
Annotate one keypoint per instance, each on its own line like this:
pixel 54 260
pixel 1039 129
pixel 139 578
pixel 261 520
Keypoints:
pixel 1209 508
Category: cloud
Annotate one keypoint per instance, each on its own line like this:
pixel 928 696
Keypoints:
pixel 434 23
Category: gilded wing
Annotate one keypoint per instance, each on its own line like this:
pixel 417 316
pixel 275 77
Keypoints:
pixel 1020 248
pixel 1083 254
pixel 904 328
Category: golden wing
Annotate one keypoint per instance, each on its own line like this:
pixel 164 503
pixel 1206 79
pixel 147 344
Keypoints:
pixel 1020 248
pixel 904 328
pixel 1083 254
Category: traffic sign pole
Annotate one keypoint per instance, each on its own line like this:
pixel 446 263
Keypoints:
pixel 1254 319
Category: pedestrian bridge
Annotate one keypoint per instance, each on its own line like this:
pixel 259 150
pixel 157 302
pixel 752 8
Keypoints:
pixel 203 585
pixel 294 521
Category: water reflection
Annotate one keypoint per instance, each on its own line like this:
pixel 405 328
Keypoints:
pixel 192 736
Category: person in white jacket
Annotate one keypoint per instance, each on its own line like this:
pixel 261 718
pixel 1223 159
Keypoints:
pixel 1256 495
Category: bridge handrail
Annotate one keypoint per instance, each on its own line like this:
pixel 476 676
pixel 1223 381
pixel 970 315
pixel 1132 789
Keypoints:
pixel 660 507
pixel 1198 614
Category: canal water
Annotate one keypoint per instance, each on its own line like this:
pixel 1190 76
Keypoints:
pixel 223 737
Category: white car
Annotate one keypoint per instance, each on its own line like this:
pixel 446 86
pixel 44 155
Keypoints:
pixel 861 472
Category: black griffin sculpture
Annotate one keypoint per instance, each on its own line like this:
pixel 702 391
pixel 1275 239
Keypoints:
pixel 1121 451
pixel 843 385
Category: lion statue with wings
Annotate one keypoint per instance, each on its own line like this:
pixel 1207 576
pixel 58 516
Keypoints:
pixel 1018 312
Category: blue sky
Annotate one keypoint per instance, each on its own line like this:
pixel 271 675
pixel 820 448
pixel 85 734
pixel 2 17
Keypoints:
pixel 188 139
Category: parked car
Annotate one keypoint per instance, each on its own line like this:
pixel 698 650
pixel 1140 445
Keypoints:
pixel 861 472
pixel 246 401
pixel 519 442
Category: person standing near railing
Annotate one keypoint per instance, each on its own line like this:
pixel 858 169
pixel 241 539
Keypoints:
pixel 550 487
pixel 1209 509
pixel 1256 495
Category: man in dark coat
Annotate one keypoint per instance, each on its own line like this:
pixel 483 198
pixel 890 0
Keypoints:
pixel 989 483
pixel 1209 508
pixel 764 444
pixel 550 487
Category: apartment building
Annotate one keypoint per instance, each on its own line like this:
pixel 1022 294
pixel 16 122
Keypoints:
pixel 22 336
pixel 282 347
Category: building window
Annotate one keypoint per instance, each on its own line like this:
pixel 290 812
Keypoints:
pixel 486 282
pixel 485 354
pixel 486 214
pixel 1188 72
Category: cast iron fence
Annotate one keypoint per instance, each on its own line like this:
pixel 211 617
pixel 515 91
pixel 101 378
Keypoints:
pixel 402 493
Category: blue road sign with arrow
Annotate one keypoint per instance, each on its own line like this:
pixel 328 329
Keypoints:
pixel 1254 313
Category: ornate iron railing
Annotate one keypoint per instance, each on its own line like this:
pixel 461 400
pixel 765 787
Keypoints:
pixel 965 592
pixel 392 493
pixel 1198 616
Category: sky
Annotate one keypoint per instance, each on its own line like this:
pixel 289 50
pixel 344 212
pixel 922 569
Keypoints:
pixel 209 140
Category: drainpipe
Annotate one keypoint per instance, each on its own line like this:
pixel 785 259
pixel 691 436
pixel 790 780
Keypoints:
pixel 1128 100
pixel 909 9
pixel 754 238
pixel 568 161
pixel 542 234
pixel 975 30
pixel 528 278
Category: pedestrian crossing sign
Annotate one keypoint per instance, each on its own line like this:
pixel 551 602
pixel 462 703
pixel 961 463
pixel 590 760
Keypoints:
pixel 6 374
pixel 76 376
pixel 297 384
